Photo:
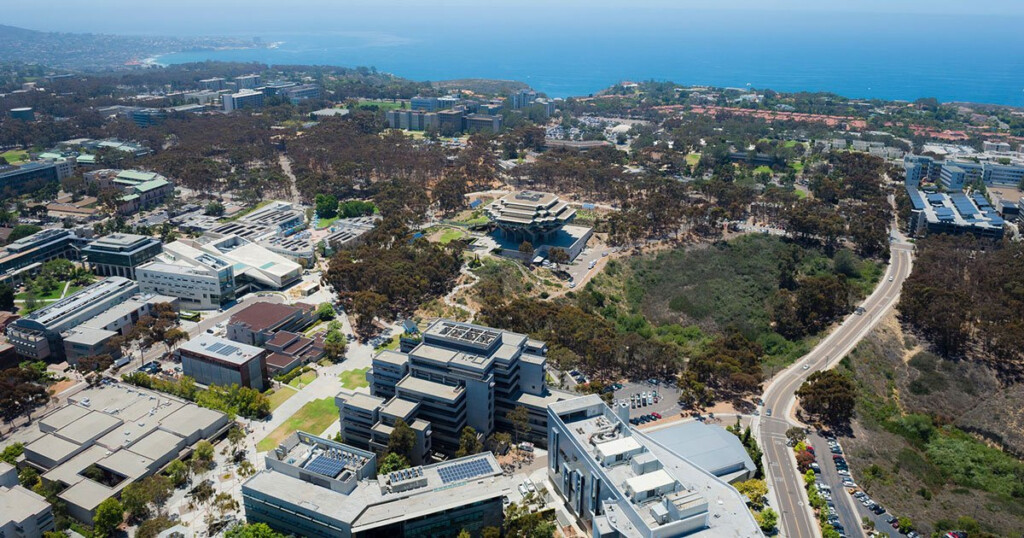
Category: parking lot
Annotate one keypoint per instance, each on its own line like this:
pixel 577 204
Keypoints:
pixel 666 394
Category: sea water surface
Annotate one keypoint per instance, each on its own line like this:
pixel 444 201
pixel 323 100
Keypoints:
pixel 976 58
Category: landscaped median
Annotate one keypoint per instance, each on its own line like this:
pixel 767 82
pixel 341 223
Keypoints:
pixel 314 417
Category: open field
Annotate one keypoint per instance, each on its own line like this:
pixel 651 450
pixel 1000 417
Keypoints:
pixel 354 379
pixel 314 417
pixel 15 156
pixel 381 105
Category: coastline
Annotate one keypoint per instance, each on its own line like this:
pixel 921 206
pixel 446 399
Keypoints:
pixel 154 61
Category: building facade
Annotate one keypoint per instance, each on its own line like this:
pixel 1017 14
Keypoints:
pixel 212 360
pixel 120 254
pixel 242 99
pixel 206 284
pixel 257 323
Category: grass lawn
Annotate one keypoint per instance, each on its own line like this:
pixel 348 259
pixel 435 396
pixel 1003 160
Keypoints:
pixel 323 223
pixel 789 144
pixel 279 396
pixel 798 166
pixel 763 168
pixel 450 235
pixel 245 212
pixel 382 105
pixel 800 193
pixel 354 379
pixel 53 295
pixel 390 346
pixel 15 156
pixel 692 158
pixel 317 327
pixel 314 417
pixel 302 380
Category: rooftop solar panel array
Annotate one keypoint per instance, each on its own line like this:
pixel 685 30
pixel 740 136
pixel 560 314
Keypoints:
pixel 963 205
pixel 465 470
pixel 326 466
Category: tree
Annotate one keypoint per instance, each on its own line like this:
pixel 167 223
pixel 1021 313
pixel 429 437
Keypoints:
pixel 22 230
pixel 905 524
pixel 755 490
pixel 367 306
pixel 526 249
pixel 11 452
pixel 325 312
pixel 326 206
pixel 402 440
pixel 135 500
pixel 178 473
pixel 520 419
pixel 214 208
pixel 203 454
pixel 252 530
pixel 392 462
pixel 464 534
pixel 109 515
pixel 558 256
pixel 829 396
pixel 490 532
pixel 804 459
pixel 768 519
pixel 796 434
pixel 174 336
pixel 335 344
pixel 6 298
pixel 469 444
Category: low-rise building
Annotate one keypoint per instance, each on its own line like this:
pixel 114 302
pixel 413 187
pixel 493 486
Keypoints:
pixel 288 350
pixel 32 176
pixel 315 487
pixel 254 265
pixel 119 254
pixel 105 439
pixel 26 255
pixel 212 360
pixel 258 323
pixel 953 213
pixel 242 99
pixel 619 482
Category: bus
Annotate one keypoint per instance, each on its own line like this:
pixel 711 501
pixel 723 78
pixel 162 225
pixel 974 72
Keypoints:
pixel 188 316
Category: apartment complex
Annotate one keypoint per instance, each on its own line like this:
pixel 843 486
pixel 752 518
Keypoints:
pixel 459 375
pixel 212 360
pixel 202 282
pixel 619 482
pixel 105 439
pixel 119 254
pixel 316 487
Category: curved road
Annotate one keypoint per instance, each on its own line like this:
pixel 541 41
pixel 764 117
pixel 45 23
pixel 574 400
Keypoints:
pixel 784 480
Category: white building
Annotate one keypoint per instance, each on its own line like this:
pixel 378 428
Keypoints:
pixel 250 262
pixel 23 513
pixel 203 282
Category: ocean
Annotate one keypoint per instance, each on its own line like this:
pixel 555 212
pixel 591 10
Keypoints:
pixel 975 58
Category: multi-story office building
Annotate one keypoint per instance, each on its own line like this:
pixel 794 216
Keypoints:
pixel 918 169
pixel 119 254
pixel 257 323
pixel 412 120
pixel 214 84
pixel 315 487
pixel 254 265
pixel 27 254
pixel 296 94
pixel 25 113
pixel 995 146
pixel 30 177
pixel 448 101
pixel 619 482
pixel 204 283
pixel 212 360
pixel 242 99
pixel 1003 175
pixel 952 177
pixel 247 82
pixel 38 335
pixel 427 104
pixel 459 375
pixel 483 122
pixel 93 336
pixel 451 121
pixel 953 213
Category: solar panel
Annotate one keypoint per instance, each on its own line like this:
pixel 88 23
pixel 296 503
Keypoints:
pixel 215 347
pixel 465 470
pixel 326 466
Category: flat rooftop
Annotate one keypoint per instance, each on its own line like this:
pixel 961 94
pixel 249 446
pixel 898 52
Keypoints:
pixel 221 349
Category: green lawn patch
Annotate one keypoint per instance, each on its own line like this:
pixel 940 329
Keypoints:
pixel 15 156
pixel 354 379
pixel 390 346
pixel 245 212
pixel 800 193
pixel 797 165
pixel 303 380
pixel 790 144
pixel 279 396
pixel 317 327
pixel 314 417
pixel 324 223
pixel 381 105
pixel 692 158
pixel 763 169
pixel 450 235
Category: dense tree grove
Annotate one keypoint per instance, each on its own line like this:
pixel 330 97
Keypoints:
pixel 23 388
pixel 391 273
pixel 966 296
pixel 829 397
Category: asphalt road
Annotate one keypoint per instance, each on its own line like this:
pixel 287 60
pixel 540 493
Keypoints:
pixel 783 478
